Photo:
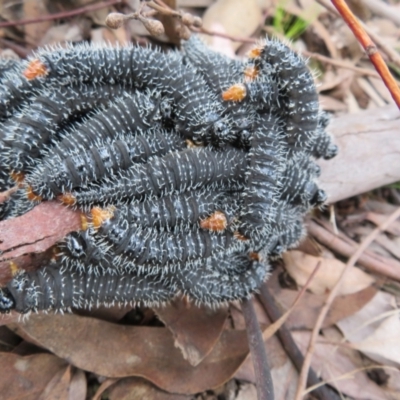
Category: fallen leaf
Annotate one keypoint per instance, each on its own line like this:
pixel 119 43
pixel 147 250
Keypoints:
pixel 37 230
pixel 383 345
pixel 333 362
pixel 147 352
pixel 58 387
pixel 139 389
pixel 232 17
pixel 32 10
pixel 364 322
pixel 301 265
pixel 26 377
pixel 196 329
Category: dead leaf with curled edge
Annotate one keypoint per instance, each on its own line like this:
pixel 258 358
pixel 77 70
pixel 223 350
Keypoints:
pixel 147 352
pixel 25 377
pixel 196 330
pixel 301 265
pixel 67 384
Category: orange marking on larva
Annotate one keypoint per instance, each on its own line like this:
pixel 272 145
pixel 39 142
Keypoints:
pixel 99 215
pixel 254 256
pixel 239 236
pixel 17 176
pixel 67 198
pixel 255 52
pixel 57 252
pixel 236 92
pixel 14 269
pixel 215 222
pixel 32 196
pixel 251 73
pixel 84 222
pixel 35 69
pixel 192 145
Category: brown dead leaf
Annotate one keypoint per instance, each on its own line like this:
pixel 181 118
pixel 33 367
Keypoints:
pixel 115 350
pixel 383 345
pixel 34 32
pixel 301 265
pixel 232 17
pixel 37 230
pixel 26 377
pixel 364 322
pixel 334 362
pixel 196 330
pixel 138 389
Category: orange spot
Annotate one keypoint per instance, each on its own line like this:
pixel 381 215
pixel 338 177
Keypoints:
pixel 56 253
pixel 32 196
pixel 99 215
pixel 251 73
pixel 236 92
pixel 192 145
pixel 215 222
pixel 254 256
pixel 84 222
pixel 14 269
pixel 35 69
pixel 67 198
pixel 255 52
pixel 17 176
pixel 239 236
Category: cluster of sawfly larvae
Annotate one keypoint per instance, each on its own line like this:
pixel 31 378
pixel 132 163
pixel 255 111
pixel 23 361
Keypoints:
pixel 191 170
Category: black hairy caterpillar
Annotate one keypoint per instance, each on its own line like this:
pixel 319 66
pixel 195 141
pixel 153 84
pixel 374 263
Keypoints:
pixel 58 174
pixel 279 65
pixel 222 279
pixel 178 171
pixel 201 221
pixel 298 183
pixel 323 145
pixel 51 288
pixel 8 65
pixel 265 165
pixel 36 125
pixel 177 210
pixel 219 71
pixel 197 109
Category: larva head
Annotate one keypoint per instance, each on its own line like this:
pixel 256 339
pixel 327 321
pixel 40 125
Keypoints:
pixel 7 302
pixel 75 245
pixel 35 69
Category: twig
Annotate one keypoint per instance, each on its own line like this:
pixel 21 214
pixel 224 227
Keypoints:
pixel 225 35
pixel 370 49
pixel 325 308
pixel 273 328
pixel 340 64
pixel 60 15
pixel 285 337
pixel 346 247
pixel 265 388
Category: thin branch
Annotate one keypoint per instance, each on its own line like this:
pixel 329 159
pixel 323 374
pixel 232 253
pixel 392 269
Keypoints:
pixel 273 328
pixel 370 49
pixel 285 337
pixel 325 308
pixel 346 247
pixel 61 15
pixel 340 64
pixel 265 388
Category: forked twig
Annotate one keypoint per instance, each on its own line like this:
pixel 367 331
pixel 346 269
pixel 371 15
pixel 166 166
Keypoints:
pixel 325 308
pixel 370 48
pixel 265 388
